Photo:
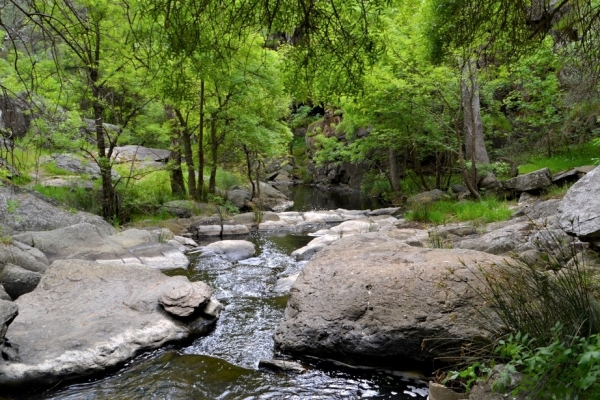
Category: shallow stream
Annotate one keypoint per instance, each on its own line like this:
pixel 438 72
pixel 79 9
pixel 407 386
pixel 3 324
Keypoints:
pixel 224 364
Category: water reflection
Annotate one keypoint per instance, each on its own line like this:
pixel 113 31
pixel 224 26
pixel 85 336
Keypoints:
pixel 310 198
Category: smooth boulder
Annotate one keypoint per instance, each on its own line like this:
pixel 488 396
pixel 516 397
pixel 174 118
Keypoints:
pixel 230 250
pixel 579 210
pixel 85 318
pixel 373 299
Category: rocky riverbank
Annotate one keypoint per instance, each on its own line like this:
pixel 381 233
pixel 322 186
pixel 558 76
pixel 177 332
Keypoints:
pixel 78 297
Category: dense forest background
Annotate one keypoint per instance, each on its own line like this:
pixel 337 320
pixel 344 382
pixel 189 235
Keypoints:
pixel 419 93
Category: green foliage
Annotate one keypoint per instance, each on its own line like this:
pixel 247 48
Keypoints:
pixel 301 117
pixel 222 205
pixel 468 376
pixel 442 212
pixel 74 198
pixel 568 367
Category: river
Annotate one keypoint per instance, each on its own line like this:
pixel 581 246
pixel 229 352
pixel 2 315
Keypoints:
pixel 224 364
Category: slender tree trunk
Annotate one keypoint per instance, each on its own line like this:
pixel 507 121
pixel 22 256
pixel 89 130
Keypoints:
pixel 177 183
pixel 393 171
pixel 473 126
pixel 249 168
pixel 186 137
pixel 109 206
pixel 200 187
pixel 214 147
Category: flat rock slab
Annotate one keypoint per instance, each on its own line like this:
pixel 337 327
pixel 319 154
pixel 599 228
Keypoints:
pixel 86 317
pixel 373 299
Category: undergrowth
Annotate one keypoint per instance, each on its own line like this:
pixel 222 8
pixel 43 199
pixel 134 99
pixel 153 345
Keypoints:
pixel 442 212
pixel 572 157
pixel 543 316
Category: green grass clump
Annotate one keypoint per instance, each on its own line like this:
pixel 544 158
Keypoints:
pixel 76 198
pixel 484 211
pixel 573 157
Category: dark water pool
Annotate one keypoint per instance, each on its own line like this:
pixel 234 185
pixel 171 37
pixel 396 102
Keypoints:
pixel 310 198
pixel 224 364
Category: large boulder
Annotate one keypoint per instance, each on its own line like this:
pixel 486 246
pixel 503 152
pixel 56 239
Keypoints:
pixel 533 181
pixel 579 211
pixel 426 197
pixel 75 165
pixel 85 318
pixel 29 211
pixel 373 299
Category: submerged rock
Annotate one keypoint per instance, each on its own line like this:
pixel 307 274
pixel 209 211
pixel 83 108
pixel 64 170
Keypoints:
pixel 373 299
pixel 86 317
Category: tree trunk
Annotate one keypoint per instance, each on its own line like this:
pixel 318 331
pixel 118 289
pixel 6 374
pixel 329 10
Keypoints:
pixel 177 183
pixel 214 147
pixel 189 156
pixel 393 171
pixel 473 126
pixel 249 168
pixel 200 187
pixel 109 204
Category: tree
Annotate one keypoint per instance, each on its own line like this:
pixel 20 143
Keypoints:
pixel 92 38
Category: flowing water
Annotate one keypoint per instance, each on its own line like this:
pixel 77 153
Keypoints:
pixel 224 364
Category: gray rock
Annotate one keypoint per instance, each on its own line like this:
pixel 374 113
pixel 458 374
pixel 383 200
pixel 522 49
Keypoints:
pixel 372 299
pixel 213 308
pixel 83 241
pixel 579 211
pixel 283 285
pixel 426 197
pixel 3 294
pixel 18 281
pixel 231 250
pixel 533 181
pixel 512 237
pixel 14 255
pixel 238 197
pixel 32 251
pixel 489 182
pixel 30 211
pixel 181 298
pixel 8 312
pixel 441 392
pixel 183 208
pixel 572 175
pixel 282 366
pixel 124 154
pixel 75 165
pixel 85 318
